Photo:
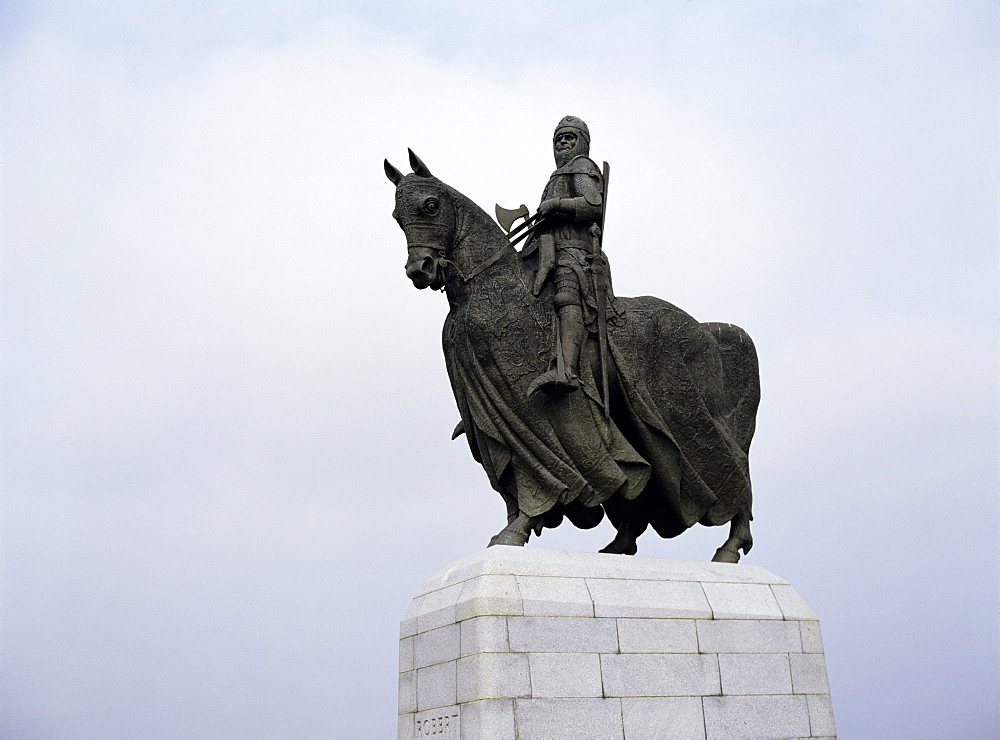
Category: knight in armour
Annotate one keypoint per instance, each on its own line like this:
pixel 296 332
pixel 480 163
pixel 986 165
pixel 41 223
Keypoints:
pixel 567 244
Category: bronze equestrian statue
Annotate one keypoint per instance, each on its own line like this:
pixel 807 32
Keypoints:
pixel 575 401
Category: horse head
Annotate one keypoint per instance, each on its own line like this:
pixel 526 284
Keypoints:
pixel 426 211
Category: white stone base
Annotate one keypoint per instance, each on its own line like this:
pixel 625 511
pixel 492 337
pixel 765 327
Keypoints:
pixel 521 642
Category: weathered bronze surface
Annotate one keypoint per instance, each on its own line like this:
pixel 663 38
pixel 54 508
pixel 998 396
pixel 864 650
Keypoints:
pixel 575 401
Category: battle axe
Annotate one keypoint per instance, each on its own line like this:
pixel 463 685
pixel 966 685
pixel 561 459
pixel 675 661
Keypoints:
pixel 507 216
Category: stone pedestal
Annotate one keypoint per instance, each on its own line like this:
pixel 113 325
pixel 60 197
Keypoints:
pixel 516 642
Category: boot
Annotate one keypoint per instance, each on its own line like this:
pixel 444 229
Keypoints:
pixel 563 378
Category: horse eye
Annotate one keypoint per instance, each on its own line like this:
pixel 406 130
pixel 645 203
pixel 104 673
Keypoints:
pixel 430 206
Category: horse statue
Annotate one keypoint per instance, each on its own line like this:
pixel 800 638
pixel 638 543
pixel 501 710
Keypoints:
pixel 665 446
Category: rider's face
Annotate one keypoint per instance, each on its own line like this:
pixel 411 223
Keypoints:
pixel 564 141
pixel 562 146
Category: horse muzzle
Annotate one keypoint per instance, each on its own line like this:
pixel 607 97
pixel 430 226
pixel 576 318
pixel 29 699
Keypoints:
pixel 424 268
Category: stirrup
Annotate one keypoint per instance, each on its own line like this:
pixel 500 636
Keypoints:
pixel 553 384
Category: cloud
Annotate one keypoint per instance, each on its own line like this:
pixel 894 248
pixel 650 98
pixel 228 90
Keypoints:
pixel 226 459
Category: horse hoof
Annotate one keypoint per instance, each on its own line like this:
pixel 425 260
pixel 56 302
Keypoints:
pixel 620 548
pixel 506 537
pixel 722 555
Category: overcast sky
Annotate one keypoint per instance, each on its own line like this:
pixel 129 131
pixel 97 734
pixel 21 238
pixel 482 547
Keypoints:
pixel 225 414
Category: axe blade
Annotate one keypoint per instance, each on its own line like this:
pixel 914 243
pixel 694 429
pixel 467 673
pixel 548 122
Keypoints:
pixel 507 216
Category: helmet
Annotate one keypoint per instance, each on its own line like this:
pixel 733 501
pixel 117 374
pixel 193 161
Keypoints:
pixel 576 125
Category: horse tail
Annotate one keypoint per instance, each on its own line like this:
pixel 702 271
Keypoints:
pixel 741 379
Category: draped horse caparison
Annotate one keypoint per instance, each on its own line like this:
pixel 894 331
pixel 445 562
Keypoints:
pixel 682 400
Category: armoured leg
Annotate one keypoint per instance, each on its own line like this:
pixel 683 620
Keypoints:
pixel 563 378
pixel 571 335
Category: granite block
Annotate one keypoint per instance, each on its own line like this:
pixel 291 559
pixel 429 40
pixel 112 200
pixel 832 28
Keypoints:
pixel 821 716
pixel 406 654
pixel 443 578
pixel 812 639
pixel 408 622
pixel 755 673
pixel 436 646
pixel 544 596
pixel 442 722
pixel 657 635
pixel 695 571
pixel 493 676
pixel 569 718
pixel 534 561
pixel 484 635
pixel 809 674
pixel 562 635
pixel 437 608
pixel 483 562
pixel 404 726
pixel 436 686
pixel 408 691
pixel 665 718
pixel 488 718
pixel 489 595
pixel 632 598
pixel 791 604
pixel 707 572
pixel 742 601
pixel 748 636
pixel 556 675
pixel 756 716
pixel 637 674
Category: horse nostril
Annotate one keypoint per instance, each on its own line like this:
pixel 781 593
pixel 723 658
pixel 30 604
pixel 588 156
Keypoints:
pixel 427 265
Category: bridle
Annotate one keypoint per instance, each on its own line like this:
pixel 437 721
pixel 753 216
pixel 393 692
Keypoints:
pixel 441 254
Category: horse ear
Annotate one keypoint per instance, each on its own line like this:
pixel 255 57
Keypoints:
pixel 392 173
pixel 419 168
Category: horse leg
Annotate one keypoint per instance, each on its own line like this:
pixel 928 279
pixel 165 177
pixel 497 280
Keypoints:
pixel 511 503
pixel 517 531
pixel 631 524
pixel 739 538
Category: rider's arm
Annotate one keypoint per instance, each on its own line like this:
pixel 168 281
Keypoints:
pixel 586 206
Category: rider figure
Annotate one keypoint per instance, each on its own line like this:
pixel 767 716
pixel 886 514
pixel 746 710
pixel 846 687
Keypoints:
pixel 568 246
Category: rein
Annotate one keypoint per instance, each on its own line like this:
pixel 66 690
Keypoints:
pixel 499 253
pixel 478 270
pixel 485 265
